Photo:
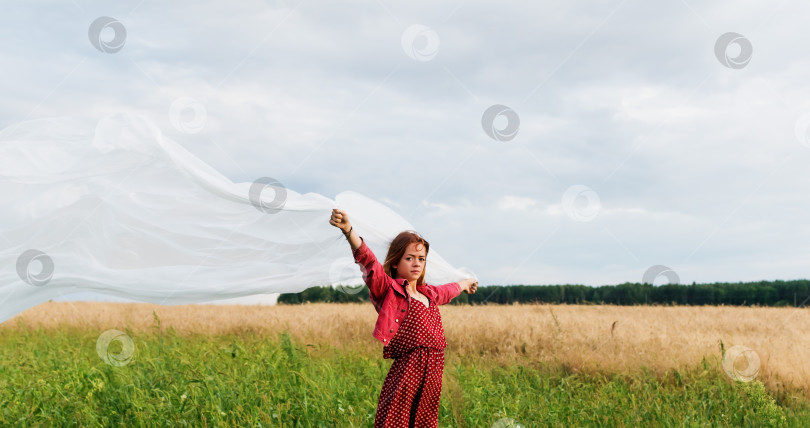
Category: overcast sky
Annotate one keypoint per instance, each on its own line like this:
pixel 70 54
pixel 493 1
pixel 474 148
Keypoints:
pixel 639 142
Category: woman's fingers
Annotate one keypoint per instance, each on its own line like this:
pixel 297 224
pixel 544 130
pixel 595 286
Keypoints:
pixel 339 219
pixel 336 218
pixel 471 286
pixel 338 215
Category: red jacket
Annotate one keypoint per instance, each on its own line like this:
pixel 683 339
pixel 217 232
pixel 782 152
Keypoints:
pixel 389 296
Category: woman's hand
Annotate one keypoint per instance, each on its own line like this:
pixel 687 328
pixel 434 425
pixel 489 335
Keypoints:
pixel 468 285
pixel 340 220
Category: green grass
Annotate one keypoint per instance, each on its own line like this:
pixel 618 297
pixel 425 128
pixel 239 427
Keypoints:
pixel 58 379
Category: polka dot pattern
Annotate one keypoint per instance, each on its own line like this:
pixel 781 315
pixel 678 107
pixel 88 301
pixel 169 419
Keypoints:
pixel 411 392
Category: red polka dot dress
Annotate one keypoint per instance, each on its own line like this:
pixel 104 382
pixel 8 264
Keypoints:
pixel 411 392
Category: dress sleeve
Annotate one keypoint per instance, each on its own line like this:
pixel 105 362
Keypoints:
pixel 373 274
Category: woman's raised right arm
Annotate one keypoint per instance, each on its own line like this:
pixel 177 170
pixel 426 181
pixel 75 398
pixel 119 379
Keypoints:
pixel 373 272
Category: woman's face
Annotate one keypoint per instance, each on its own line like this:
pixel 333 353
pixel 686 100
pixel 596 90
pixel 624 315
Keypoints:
pixel 412 263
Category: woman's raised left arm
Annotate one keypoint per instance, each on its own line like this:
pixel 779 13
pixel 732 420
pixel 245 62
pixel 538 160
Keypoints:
pixel 447 292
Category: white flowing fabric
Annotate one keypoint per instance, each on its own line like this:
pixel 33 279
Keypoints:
pixel 115 207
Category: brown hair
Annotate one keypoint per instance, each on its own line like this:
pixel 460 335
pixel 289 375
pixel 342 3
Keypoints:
pixel 397 249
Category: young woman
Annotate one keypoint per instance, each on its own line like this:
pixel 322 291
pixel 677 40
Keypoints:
pixel 409 325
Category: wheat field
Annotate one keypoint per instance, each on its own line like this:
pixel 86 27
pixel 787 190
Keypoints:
pixel 588 338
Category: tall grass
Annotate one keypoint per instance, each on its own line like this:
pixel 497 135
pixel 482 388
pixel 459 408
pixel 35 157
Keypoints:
pixel 316 365
pixel 612 339
pixel 55 379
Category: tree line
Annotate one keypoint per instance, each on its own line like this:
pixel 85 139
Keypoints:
pixel 762 293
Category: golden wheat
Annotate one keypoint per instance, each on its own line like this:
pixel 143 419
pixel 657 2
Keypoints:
pixel 610 339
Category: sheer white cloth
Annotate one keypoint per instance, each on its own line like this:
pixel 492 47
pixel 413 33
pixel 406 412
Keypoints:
pixel 115 207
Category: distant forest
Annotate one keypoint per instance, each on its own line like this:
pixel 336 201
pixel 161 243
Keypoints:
pixel 794 293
